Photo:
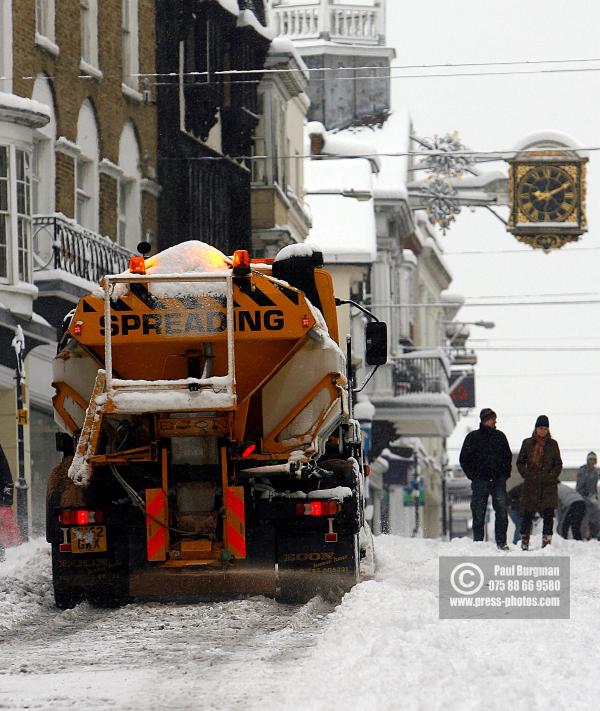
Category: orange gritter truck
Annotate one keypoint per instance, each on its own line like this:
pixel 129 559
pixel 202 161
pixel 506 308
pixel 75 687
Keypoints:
pixel 205 409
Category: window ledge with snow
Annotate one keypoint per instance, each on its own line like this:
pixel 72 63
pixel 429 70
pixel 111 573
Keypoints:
pixel 130 93
pixel 47 44
pixel 90 70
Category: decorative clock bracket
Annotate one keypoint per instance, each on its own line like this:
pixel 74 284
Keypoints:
pixel 546 191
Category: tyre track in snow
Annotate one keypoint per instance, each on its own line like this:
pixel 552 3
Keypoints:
pixel 230 654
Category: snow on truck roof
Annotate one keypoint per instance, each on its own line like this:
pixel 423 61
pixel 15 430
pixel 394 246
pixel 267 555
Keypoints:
pixel 192 257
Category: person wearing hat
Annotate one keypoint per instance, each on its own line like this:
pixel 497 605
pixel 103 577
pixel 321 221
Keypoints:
pixel 540 465
pixel 587 478
pixel 486 460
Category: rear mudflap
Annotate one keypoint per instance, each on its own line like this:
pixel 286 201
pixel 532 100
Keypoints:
pixel 309 565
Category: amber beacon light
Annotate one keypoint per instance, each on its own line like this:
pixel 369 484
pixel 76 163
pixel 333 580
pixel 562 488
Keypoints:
pixel 241 262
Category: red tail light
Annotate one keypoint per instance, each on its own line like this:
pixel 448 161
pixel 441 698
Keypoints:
pixel 77 328
pixel 76 517
pixel 246 449
pixel 318 508
pixel 137 265
pixel 305 322
pixel 241 262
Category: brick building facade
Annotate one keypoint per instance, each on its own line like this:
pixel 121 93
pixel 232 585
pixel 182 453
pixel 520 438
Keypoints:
pixel 78 135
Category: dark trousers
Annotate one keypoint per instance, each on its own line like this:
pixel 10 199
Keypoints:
pixel 481 491
pixel 548 518
pixel 573 520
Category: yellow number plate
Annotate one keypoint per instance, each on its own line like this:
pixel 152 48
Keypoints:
pixel 88 539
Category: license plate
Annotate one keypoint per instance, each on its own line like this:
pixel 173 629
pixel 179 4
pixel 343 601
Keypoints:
pixel 88 539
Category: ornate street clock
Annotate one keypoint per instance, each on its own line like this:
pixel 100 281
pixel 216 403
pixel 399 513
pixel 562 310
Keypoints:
pixel 547 195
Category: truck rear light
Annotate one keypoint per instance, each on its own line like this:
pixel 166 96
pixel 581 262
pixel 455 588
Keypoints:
pixel 318 508
pixel 246 449
pixel 137 265
pixel 80 517
pixel 241 262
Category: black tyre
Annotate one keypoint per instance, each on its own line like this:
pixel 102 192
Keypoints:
pixel 66 597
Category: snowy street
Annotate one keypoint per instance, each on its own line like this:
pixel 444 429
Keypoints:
pixel 382 648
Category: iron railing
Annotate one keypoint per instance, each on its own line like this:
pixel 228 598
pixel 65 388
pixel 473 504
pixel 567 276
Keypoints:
pixel 61 244
pixel 421 372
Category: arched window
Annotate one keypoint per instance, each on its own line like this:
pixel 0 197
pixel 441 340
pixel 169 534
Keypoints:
pixel 129 204
pixel 42 161
pixel 86 169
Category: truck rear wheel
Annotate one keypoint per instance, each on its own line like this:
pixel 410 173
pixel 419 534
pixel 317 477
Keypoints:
pixel 66 595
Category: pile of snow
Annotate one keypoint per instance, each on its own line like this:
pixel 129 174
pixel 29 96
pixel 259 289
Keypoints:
pixel 391 651
pixel 190 257
pixel 187 258
pixel 25 584
pixel 302 249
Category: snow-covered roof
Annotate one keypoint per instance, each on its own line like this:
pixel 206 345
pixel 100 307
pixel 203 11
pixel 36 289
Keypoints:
pixel 393 137
pixel 343 227
pixel 344 143
pixel 284 45
pixel 548 138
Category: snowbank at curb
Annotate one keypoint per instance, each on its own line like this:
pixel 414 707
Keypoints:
pixel 385 648
pixel 25 583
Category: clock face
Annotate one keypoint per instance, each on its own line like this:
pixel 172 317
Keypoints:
pixel 547 193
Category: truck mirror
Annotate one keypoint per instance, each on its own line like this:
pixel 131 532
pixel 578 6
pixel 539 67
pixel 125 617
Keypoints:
pixel 376 343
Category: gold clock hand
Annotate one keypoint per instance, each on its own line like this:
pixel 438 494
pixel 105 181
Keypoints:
pixel 556 190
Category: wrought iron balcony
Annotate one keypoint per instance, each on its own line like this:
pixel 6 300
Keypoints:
pixel 421 372
pixel 338 21
pixel 63 245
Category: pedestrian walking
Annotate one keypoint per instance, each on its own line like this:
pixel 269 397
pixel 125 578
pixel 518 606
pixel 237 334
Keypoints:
pixel 587 478
pixel 513 499
pixel 570 512
pixel 486 460
pixel 540 465
pixel 9 533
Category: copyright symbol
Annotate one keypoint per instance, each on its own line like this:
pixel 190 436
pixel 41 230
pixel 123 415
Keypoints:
pixel 467 578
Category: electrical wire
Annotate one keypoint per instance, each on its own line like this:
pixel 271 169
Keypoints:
pixel 311 70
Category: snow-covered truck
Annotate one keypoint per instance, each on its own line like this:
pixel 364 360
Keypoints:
pixel 207 431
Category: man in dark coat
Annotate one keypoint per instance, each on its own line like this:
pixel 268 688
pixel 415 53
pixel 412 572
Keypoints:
pixel 540 465
pixel 486 459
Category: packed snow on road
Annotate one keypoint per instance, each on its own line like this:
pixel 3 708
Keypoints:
pixel 383 647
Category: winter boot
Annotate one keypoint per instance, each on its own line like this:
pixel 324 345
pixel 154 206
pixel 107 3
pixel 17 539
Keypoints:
pixel 546 539
pixel 525 542
pixel 502 547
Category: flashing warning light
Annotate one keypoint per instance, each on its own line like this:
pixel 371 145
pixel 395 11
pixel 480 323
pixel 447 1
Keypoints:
pixel 305 321
pixel 241 262
pixel 77 328
pixel 78 517
pixel 367 470
pixel 137 265
pixel 246 449
pixel 318 508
